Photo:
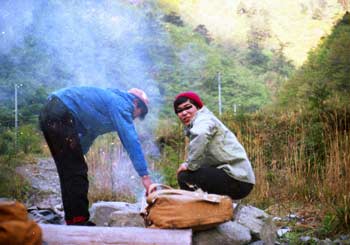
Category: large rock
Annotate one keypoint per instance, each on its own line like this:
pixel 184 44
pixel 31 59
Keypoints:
pixel 227 233
pixel 126 218
pixel 257 221
pixel 249 224
pixel 101 212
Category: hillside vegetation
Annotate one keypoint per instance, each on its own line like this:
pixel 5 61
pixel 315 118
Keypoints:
pixel 296 25
pixel 323 81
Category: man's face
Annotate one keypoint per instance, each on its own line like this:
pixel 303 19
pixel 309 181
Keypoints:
pixel 138 111
pixel 186 111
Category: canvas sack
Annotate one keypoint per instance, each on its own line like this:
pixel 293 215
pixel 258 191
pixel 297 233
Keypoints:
pixel 172 208
pixel 15 227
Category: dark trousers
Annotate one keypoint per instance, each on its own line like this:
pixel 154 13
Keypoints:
pixel 213 180
pixel 58 126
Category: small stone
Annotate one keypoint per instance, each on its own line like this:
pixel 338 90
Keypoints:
pixel 282 231
pixel 293 216
pixel 305 238
pixel 277 219
pixel 257 243
pixel 344 237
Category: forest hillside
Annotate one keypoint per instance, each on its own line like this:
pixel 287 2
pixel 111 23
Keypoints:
pixel 295 25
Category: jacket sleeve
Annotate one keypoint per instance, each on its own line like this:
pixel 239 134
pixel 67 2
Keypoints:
pixel 201 133
pixel 124 125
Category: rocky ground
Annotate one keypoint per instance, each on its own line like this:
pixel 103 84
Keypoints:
pixel 44 203
pixel 45 206
pixel 43 178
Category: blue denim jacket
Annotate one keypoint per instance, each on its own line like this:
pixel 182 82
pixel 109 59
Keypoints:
pixel 99 111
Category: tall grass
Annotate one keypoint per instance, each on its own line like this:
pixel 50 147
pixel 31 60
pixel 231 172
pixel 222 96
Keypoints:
pixel 27 147
pixel 12 184
pixel 336 179
pixel 289 170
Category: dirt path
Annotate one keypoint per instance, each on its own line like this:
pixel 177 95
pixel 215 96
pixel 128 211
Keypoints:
pixel 43 178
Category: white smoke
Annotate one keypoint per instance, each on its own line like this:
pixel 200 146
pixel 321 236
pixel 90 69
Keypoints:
pixel 106 43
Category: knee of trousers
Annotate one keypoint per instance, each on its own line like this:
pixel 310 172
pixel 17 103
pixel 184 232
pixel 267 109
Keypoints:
pixel 183 176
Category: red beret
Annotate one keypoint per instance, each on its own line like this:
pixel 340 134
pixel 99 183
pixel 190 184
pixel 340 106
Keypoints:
pixel 191 95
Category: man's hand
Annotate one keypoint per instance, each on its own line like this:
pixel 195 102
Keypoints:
pixel 146 181
pixel 182 167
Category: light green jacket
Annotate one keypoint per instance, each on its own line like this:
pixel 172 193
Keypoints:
pixel 213 144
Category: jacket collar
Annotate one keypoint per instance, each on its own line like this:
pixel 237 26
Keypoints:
pixel 188 128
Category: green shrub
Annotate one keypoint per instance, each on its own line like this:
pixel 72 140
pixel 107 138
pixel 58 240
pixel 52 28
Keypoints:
pixel 169 166
pixel 12 185
pixel 7 142
pixel 29 139
pixel 328 225
pixel 342 214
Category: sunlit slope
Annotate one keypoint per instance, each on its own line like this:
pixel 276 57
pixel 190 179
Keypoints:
pixel 295 24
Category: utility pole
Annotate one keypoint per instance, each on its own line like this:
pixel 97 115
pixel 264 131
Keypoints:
pixel 219 90
pixel 16 117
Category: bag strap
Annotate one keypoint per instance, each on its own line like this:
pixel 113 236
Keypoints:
pixel 199 195
pixel 154 187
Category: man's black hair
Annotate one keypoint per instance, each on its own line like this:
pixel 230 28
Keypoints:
pixel 182 100
pixel 143 107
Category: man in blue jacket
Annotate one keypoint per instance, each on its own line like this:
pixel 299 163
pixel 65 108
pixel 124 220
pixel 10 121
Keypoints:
pixel 72 119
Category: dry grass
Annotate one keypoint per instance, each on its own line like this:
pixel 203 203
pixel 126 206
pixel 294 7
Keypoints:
pixel 337 169
pixel 336 180
pixel 254 146
pixel 289 176
pixel 111 174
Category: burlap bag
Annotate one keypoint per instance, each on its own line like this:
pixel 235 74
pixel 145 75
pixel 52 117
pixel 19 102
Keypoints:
pixel 172 208
pixel 15 227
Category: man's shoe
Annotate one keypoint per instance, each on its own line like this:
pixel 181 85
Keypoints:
pixel 80 220
pixel 89 223
pixel 85 223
